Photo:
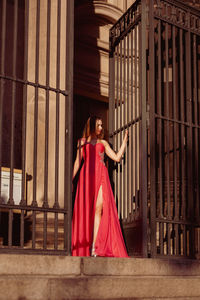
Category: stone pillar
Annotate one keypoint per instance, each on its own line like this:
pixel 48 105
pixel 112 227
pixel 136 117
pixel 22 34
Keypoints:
pixel 42 101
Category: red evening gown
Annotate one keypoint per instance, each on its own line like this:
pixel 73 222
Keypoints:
pixel 93 175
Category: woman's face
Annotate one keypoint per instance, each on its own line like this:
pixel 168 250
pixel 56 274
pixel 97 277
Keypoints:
pixel 99 127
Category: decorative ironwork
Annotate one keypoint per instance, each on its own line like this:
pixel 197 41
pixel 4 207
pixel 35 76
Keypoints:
pixel 178 14
pixel 125 23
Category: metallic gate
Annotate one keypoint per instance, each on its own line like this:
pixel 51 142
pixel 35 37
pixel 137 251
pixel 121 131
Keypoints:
pixel 174 69
pixel 36 73
pixel 128 110
pixel 154 76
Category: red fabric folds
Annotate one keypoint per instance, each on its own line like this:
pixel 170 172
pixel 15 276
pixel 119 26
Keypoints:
pixel 109 240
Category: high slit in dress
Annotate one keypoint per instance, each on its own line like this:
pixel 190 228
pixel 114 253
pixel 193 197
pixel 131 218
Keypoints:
pixel 93 175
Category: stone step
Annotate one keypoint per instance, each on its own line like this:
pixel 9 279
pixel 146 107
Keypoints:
pixel 37 277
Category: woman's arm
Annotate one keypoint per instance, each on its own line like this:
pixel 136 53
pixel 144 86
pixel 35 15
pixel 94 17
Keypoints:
pixel 79 156
pixel 116 156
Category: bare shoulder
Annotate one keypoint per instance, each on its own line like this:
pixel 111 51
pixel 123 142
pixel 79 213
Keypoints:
pixel 105 143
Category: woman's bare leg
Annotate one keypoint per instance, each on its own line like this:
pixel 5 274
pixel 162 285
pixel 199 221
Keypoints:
pixel 97 217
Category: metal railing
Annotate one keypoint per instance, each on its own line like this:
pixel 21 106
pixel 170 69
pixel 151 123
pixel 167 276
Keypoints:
pixel 35 189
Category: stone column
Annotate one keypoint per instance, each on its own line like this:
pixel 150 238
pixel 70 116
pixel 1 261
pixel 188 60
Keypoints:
pixel 42 101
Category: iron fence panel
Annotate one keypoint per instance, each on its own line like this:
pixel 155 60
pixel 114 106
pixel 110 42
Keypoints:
pixel 174 29
pixel 35 181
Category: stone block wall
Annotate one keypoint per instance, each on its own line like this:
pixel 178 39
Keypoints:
pixel 35 277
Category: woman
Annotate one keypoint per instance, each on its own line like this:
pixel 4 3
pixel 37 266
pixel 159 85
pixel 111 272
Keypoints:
pixel 95 226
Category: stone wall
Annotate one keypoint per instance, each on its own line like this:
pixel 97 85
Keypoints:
pixel 93 20
pixel 34 277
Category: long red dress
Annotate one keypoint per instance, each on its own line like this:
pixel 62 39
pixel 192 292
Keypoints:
pixel 93 175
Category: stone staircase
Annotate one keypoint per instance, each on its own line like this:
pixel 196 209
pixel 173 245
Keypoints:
pixel 37 277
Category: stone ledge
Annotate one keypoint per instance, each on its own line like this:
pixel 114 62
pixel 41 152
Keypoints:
pixel 35 277
pixel 74 266
pixel 22 288
pixel 27 288
pixel 128 288
pixel 140 267
pixel 13 264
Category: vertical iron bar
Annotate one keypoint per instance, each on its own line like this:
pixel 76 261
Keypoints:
pixel 162 239
pixel 114 145
pixel 120 165
pixel 124 122
pixel 10 227
pixel 56 204
pixel 184 240
pixel 22 229
pixel 175 138
pixel 11 201
pixel 175 118
pixel 112 105
pixel 196 150
pixel 35 154
pixel 2 81
pixel 127 160
pixel 45 230
pixel 168 138
pixel 56 231
pixel 114 125
pixel 160 122
pixel 131 139
pixel 117 125
pixel 160 137
pixel 111 89
pixel 152 129
pixel 190 177
pixel 198 98
pixel 143 125
pixel 46 159
pixel 167 122
pixel 182 139
pixel 24 117
pixel 182 109
pixel 33 228
pixel 69 123
pixel 137 124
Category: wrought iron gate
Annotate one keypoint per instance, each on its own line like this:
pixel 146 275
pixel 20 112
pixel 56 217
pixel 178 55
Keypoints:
pixel 128 110
pixel 36 73
pixel 174 67
pixel 154 76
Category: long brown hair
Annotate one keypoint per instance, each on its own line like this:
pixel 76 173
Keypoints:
pixel 90 127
